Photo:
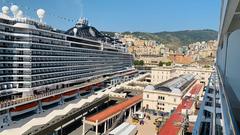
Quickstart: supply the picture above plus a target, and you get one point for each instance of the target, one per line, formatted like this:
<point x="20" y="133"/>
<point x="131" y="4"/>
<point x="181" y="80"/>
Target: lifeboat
<point x="85" y="89"/>
<point x="70" y="94"/>
<point x="51" y="100"/>
<point x="98" y="85"/>
<point x="24" y="108"/>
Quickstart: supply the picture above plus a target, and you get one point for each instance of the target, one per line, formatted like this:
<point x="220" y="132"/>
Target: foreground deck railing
<point x="228" y="124"/>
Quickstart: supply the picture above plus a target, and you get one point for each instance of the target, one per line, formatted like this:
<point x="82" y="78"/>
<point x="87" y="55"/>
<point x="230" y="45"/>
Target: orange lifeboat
<point x="70" y="94"/>
<point x="24" y="108"/>
<point x="51" y="100"/>
<point x="98" y="85"/>
<point x="85" y="89"/>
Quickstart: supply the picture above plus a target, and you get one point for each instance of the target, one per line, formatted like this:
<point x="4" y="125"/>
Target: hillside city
<point x="151" y="53"/>
<point x="86" y="81"/>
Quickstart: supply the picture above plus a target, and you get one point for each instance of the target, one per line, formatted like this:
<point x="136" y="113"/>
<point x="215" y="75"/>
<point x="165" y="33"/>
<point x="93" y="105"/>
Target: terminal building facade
<point x="166" y="96"/>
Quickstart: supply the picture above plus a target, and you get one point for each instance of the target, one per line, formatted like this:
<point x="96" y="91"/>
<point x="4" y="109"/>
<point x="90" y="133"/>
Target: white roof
<point x="119" y="129"/>
<point x="149" y="87"/>
<point x="24" y="25"/>
<point x="173" y="86"/>
<point x="129" y="130"/>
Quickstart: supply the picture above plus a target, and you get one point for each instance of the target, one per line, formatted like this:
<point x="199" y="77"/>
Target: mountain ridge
<point x="175" y="39"/>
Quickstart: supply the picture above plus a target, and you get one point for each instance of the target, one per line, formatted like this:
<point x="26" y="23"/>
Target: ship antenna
<point x="81" y="7"/>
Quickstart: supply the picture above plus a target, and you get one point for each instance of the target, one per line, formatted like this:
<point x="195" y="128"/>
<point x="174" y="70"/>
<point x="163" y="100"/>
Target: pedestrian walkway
<point x="148" y="128"/>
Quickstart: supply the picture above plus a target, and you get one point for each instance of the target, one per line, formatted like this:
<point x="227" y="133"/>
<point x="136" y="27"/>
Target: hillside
<point x="175" y="39"/>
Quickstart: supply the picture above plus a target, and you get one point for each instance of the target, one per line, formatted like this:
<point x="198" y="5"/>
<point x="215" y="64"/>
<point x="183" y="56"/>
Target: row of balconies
<point x="13" y="85"/>
<point x="15" y="78"/>
<point x="59" y="50"/>
<point x="13" y="58"/>
<point x="57" y="58"/>
<point x="60" y="58"/>
<point x="9" y="52"/>
<point x="15" y="65"/>
<point x="62" y="69"/>
<point x="14" y="52"/>
<point x="34" y="33"/>
<point x="36" y="66"/>
<point x="10" y="72"/>
<point x="46" y="70"/>
<point x="15" y="72"/>
<point x="67" y="73"/>
<point x="62" y="63"/>
<point x="13" y="46"/>
<point x="30" y="32"/>
<point x="68" y="53"/>
<point x="33" y="40"/>
<point x="66" y="78"/>
<point x="29" y="83"/>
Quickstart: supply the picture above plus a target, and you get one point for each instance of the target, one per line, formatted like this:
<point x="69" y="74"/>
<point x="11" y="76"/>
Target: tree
<point x="207" y="66"/>
<point x="141" y="62"/>
<point x="138" y="62"/>
<point x="161" y="63"/>
<point x="168" y="63"/>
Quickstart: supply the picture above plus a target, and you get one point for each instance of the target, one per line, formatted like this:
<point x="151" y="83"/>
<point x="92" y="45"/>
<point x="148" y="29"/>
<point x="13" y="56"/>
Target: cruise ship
<point x="36" y="57"/>
<point x="43" y="65"/>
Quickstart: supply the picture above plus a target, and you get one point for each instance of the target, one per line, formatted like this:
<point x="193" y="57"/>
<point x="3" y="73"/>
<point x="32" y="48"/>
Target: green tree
<point x="141" y="62"/>
<point x="168" y="63"/>
<point x="207" y="66"/>
<point x="161" y="63"/>
<point x="138" y="62"/>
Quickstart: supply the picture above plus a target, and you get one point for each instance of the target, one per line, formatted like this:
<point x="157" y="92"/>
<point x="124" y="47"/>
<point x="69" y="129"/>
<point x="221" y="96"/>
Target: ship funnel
<point x="14" y="9"/>
<point x="75" y="31"/>
<point x="5" y="10"/>
<point x="41" y="14"/>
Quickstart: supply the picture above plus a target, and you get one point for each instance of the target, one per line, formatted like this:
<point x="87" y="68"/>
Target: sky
<point x="127" y="15"/>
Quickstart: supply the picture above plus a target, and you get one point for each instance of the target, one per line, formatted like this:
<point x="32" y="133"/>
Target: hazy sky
<point x="127" y="15"/>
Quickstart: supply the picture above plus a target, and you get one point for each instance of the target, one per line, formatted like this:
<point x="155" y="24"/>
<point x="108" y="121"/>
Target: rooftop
<point x="174" y="123"/>
<point x="174" y="85"/>
<point x="114" y="109"/>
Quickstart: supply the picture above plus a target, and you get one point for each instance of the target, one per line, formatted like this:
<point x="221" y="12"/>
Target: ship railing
<point x="230" y="125"/>
<point x="8" y="103"/>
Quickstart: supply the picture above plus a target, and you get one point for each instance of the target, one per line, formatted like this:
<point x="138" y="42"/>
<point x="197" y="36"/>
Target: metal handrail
<point x="229" y="113"/>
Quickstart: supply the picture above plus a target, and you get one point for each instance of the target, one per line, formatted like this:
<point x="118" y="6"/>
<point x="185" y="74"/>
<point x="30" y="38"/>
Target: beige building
<point x="162" y="74"/>
<point x="203" y="49"/>
<point x="150" y="60"/>
<point x="145" y="50"/>
<point x="202" y="74"/>
<point x="159" y="75"/>
<point x="165" y="97"/>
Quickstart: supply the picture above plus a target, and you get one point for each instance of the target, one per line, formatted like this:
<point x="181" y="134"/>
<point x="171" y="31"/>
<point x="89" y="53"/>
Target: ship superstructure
<point x="35" y="58"/>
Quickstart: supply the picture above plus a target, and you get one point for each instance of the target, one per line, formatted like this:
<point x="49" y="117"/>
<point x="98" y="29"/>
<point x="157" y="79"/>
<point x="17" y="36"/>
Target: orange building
<point x="180" y="59"/>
